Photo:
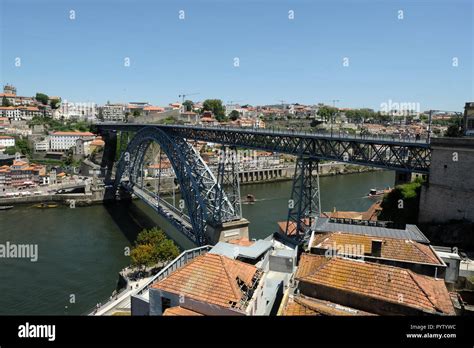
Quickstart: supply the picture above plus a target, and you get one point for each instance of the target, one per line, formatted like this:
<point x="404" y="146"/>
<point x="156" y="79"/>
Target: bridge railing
<point x="327" y="134"/>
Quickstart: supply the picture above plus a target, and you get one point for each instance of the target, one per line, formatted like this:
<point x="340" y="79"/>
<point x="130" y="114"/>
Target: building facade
<point x="113" y="112"/>
<point x="62" y="141"/>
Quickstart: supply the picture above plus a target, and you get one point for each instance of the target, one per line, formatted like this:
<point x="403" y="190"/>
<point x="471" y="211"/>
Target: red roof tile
<point x="210" y="278"/>
<point x="387" y="283"/>
<point x="180" y="311"/>
<point x="392" y="248"/>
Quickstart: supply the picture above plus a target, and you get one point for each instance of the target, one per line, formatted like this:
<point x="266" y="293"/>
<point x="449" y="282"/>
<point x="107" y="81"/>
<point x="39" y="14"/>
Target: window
<point x="165" y="304"/>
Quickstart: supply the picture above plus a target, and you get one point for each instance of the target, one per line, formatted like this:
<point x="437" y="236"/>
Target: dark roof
<point x="410" y="232"/>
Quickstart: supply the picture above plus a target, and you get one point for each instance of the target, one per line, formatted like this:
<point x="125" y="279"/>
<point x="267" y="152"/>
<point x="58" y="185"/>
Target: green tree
<point x="42" y="98"/>
<point x="55" y="103"/>
<point x="5" y="101"/>
<point x="188" y="105"/>
<point x="454" y="129"/>
<point x="327" y="113"/>
<point x="152" y="236"/>
<point x="166" y="251"/>
<point x="136" y="113"/>
<point x="11" y="150"/>
<point x="407" y="196"/>
<point x="216" y="107"/>
<point x="234" y="115"/>
<point x="158" y="248"/>
<point x="143" y="255"/>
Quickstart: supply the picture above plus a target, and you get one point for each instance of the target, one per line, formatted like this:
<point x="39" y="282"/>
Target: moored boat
<point x="6" y="207"/>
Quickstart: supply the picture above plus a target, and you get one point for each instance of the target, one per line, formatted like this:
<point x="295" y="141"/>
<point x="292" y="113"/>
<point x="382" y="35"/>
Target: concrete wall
<point x="139" y="306"/>
<point x="350" y="299"/>
<point x="449" y="194"/>
<point x="186" y="302"/>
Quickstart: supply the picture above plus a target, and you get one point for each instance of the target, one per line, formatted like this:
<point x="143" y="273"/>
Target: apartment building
<point x="113" y="112"/>
<point x="63" y="141"/>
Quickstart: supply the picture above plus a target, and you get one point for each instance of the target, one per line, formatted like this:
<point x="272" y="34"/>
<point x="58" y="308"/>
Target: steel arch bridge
<point x="205" y="199"/>
<point x="383" y="152"/>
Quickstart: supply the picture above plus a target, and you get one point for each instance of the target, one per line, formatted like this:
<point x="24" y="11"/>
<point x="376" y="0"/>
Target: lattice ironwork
<point x="305" y="203"/>
<point x="389" y="154"/>
<point x="198" y="184"/>
<point x="228" y="180"/>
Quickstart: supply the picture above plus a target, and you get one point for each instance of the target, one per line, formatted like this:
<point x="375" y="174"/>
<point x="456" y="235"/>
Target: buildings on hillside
<point x="21" y="173"/>
<point x="63" y="141"/>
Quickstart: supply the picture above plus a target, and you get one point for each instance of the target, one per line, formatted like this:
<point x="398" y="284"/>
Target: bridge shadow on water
<point x="131" y="217"/>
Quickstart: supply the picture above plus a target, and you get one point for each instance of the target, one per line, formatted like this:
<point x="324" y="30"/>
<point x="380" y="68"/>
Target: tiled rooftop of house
<point x="302" y="305"/>
<point x="212" y="278"/>
<point x="386" y="283"/>
<point x="392" y="248"/>
<point x="180" y="311"/>
<point x="241" y="241"/>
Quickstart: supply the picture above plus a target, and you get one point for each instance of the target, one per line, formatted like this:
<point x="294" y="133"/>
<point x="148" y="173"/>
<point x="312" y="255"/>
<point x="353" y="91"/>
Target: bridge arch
<point x="200" y="190"/>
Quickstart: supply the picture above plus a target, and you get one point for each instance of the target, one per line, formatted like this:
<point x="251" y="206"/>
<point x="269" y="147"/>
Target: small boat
<point x="45" y="205"/>
<point x="250" y="199"/>
<point x="374" y="193"/>
<point x="6" y="207"/>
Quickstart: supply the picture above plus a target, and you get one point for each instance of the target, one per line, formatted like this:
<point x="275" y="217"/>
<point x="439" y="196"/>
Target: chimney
<point x="376" y="248"/>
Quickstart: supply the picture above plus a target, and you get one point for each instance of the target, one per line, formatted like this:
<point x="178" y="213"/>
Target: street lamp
<point x="334" y="101"/>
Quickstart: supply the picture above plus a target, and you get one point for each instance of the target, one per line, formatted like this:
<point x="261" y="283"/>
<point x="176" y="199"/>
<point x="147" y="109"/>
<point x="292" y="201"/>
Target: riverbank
<point x="71" y="199"/>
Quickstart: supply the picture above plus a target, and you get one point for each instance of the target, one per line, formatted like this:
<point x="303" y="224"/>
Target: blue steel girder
<point x="395" y="155"/>
<point x="198" y="185"/>
<point x="388" y="154"/>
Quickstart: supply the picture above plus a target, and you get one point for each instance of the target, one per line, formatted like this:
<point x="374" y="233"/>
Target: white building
<point x="80" y="111"/>
<point x="62" y="141"/>
<point x="113" y="112"/>
<point x="6" y="141"/>
<point x="10" y="112"/>
<point x="42" y="145"/>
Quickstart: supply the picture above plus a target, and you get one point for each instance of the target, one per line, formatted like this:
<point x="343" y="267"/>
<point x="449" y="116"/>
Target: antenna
<point x="184" y="95"/>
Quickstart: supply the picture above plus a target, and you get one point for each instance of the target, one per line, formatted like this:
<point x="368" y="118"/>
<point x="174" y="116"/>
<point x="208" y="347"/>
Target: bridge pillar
<point x="402" y="178"/>
<point x="304" y="205"/>
<point x="228" y="231"/>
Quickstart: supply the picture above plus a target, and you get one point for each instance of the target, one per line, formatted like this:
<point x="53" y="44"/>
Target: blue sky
<point x="299" y="60"/>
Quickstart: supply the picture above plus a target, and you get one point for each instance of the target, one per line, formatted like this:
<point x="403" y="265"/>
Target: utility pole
<point x="334" y="101"/>
<point x="184" y="95"/>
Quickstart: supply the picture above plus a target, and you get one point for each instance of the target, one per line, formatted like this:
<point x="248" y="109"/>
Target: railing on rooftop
<point x="177" y="263"/>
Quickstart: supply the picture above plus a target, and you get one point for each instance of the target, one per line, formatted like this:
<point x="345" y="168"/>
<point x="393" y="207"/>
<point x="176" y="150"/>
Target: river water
<point x="81" y="250"/>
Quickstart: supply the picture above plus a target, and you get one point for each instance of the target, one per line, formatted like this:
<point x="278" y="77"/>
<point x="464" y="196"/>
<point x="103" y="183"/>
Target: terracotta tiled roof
<point x="344" y="215"/>
<point x="180" y="311"/>
<point x="210" y="278"/>
<point x="98" y="142"/>
<point x="19" y="163"/>
<point x="291" y="228"/>
<point x="82" y="134"/>
<point x="241" y="241"/>
<point x="392" y="248"/>
<point x="386" y="283"/>
<point x="302" y="305"/>
<point x="153" y="108"/>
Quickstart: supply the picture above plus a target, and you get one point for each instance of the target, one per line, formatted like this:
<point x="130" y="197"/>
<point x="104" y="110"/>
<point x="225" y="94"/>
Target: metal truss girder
<point x="198" y="184"/>
<point x="228" y="180"/>
<point x="305" y="204"/>
<point x="405" y="156"/>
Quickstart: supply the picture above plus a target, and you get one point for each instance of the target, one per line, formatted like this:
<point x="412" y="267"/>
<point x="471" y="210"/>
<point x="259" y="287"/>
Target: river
<point x="81" y="250"/>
